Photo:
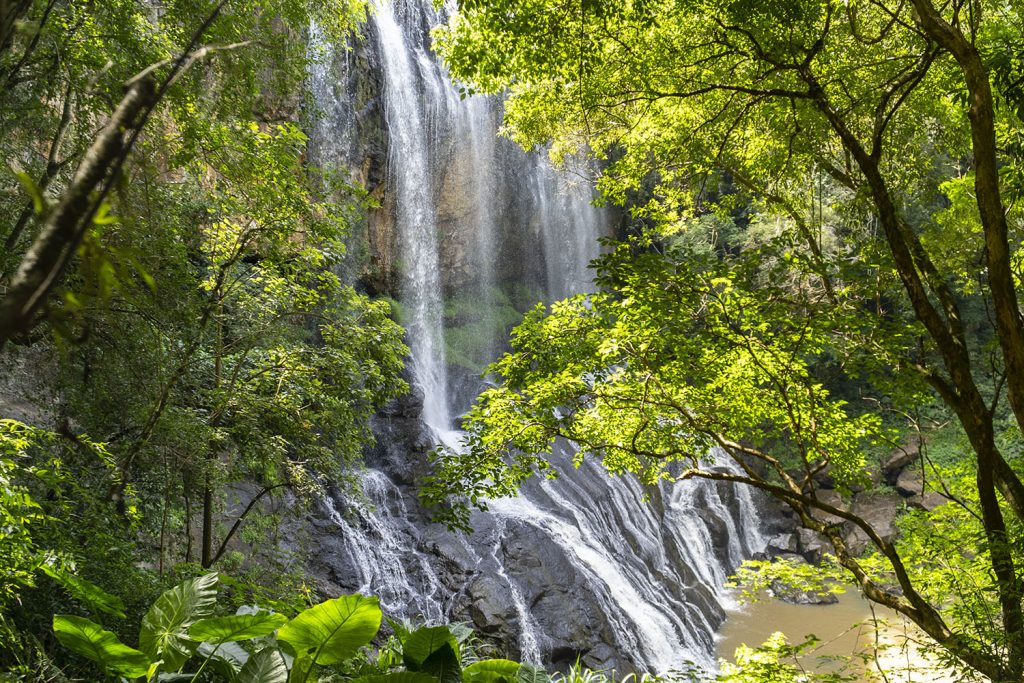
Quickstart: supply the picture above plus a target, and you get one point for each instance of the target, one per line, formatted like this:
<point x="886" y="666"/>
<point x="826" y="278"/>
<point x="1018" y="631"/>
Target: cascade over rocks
<point x="469" y="232"/>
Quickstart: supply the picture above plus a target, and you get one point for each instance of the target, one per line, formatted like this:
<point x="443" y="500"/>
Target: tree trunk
<point x="207" y="545"/>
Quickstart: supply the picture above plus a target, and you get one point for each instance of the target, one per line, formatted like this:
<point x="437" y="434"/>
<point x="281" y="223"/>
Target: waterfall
<point x="385" y="564"/>
<point x="584" y="567"/>
<point x="410" y="170"/>
<point x="570" y="225"/>
<point x="479" y="131"/>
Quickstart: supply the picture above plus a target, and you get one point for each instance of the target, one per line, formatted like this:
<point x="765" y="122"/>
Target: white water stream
<point x="646" y="578"/>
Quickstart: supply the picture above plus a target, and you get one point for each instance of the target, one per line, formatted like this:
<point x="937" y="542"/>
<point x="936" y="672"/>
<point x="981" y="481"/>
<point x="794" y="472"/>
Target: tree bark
<point x="206" y="558"/>
<point x="981" y="113"/>
<point x="47" y="258"/>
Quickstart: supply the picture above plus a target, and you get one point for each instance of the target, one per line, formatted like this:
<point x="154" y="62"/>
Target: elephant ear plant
<point x="180" y="628"/>
<point x="181" y="639"/>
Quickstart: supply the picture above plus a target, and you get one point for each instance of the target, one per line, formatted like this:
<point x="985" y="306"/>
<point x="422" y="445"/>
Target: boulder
<point x="878" y="510"/>
<point x="802" y="597"/>
<point x="910" y="483"/>
<point x="491" y="607"/>
<point x="927" y="501"/>
<point x="783" y="543"/>
<point x="899" y="459"/>
<point x="812" y="545"/>
<point x="824" y="479"/>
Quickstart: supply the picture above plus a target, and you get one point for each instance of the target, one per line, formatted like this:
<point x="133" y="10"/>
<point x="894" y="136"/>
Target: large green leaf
<point x="422" y="643"/>
<point x="433" y="650"/>
<point x="164" y="633"/>
<point x="88" y="638"/>
<point x="333" y="630"/>
<point x="491" y="671"/>
<point x="266" y="666"/>
<point x="224" y="658"/>
<point x="300" y="670"/>
<point x="396" y="677"/>
<point x="444" y="664"/>
<point x="532" y="674"/>
<point x="236" y="627"/>
<point x="89" y="594"/>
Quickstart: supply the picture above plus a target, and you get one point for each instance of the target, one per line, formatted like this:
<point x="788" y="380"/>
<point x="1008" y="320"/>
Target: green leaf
<point x="422" y="643"/>
<point x="433" y="650"/>
<point x="266" y="666"/>
<point x="236" y="627"/>
<point x="103" y="215"/>
<point x="444" y="664"/>
<point x="532" y="674"/>
<point x="164" y="633"/>
<point x="226" y="658"/>
<point x="333" y="630"/>
<point x="89" y="639"/>
<point x="396" y="677"/>
<point x="299" y="672"/>
<point x="492" y="671"/>
<point x="86" y="592"/>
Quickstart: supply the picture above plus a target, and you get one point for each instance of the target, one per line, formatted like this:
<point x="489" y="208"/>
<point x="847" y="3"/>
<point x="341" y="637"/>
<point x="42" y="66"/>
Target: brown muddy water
<point x="845" y="630"/>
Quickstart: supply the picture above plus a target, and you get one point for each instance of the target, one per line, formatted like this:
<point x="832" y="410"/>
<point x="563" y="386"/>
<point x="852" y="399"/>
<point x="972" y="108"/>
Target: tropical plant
<point x="180" y="627"/>
<point x="865" y="160"/>
<point x="181" y="631"/>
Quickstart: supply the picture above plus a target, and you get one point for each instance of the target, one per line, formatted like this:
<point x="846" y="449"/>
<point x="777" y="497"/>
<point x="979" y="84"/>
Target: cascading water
<point x="582" y="567"/>
<point x="410" y="172"/>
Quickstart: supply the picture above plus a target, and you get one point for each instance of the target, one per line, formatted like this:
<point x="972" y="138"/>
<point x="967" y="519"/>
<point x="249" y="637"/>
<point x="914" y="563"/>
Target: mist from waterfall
<point x="653" y="572"/>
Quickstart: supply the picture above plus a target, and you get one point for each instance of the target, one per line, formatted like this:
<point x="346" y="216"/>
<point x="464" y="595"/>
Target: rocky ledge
<point x="897" y="485"/>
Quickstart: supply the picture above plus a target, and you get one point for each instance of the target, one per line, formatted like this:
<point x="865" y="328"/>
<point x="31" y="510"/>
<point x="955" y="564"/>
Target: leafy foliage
<point x="87" y="638"/>
<point x="334" y="630"/>
<point x="266" y="666"/>
<point x="89" y="594"/>
<point x="236" y="627"/>
<point x="164" y="633"/>
<point x="825" y="234"/>
<point x="259" y="646"/>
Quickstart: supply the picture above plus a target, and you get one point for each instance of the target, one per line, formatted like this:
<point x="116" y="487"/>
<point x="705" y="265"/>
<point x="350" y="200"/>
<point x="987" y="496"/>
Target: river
<point x="847" y="631"/>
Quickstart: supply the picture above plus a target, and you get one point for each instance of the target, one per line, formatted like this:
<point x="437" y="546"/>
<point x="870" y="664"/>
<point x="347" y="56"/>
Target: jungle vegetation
<point x="823" y="261"/>
<point x="825" y="246"/>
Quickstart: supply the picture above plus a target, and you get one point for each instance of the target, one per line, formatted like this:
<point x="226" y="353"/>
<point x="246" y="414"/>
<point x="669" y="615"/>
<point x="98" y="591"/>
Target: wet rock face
<point x="402" y="440"/>
<point x="491" y="608"/>
<point x="524" y="579"/>
<point x="557" y="595"/>
<point x="351" y="135"/>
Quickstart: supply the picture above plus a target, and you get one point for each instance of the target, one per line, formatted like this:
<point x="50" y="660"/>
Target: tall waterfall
<point x="583" y="567"/>
<point x="407" y="74"/>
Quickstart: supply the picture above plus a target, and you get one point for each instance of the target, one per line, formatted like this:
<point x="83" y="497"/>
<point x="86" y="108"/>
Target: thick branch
<point x="241" y="518"/>
<point x="989" y="199"/>
<point x="65" y="226"/>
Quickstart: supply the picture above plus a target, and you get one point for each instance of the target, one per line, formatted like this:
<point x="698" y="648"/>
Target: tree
<point x="822" y="192"/>
<point x="188" y="302"/>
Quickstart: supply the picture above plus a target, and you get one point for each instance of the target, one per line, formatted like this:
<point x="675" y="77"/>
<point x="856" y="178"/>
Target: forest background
<point x="823" y="258"/>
